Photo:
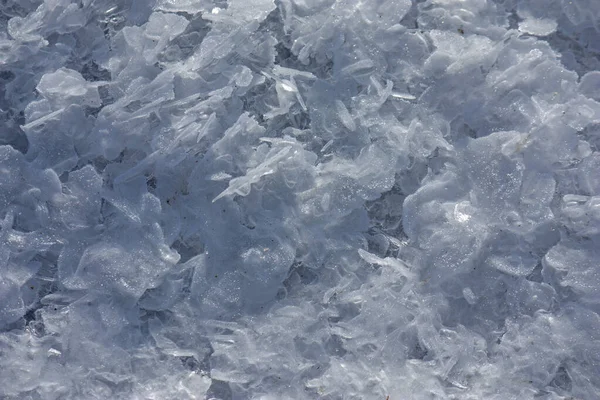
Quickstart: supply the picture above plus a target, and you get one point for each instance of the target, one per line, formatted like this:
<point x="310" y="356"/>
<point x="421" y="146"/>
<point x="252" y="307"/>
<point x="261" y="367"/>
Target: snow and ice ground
<point x="300" y="199"/>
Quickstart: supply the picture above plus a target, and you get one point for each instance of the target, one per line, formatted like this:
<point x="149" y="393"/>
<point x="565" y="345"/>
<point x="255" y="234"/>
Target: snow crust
<point x="300" y="199"/>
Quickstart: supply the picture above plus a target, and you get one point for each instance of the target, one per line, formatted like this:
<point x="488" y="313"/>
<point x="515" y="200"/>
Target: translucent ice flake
<point x="344" y="115"/>
<point x="255" y="10"/>
<point x="162" y="25"/>
<point x="82" y="200"/>
<point x="386" y="262"/>
<point x="108" y="267"/>
<point x="574" y="266"/>
<point x="537" y="26"/>
<point x="65" y="86"/>
<point x="188" y="6"/>
<point x="13" y="306"/>
<point x="590" y="83"/>
<point x="241" y="185"/>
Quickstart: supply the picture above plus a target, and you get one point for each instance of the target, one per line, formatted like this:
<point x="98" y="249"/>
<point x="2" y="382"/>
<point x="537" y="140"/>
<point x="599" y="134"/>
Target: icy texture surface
<point x="300" y="199"/>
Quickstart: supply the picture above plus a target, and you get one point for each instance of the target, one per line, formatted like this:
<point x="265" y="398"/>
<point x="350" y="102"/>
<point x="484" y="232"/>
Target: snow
<point x="300" y="199"/>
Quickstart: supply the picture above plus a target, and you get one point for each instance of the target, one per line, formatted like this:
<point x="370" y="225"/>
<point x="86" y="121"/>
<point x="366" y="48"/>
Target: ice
<point x="537" y="26"/>
<point x="345" y="116"/>
<point x="574" y="268"/>
<point x="299" y="199"/>
<point x="66" y="86"/>
<point x="110" y="267"/>
<point x="189" y="6"/>
<point x="160" y="23"/>
<point x="589" y="84"/>
<point x="13" y="307"/>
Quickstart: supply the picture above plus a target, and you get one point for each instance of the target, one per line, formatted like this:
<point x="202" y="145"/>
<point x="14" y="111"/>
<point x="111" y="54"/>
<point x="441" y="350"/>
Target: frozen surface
<point x="300" y="199"/>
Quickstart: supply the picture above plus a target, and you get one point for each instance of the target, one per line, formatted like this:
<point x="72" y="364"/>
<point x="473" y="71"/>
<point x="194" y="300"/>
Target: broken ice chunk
<point x="537" y="26"/>
<point x="160" y="25"/>
<point x="66" y="86"/>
